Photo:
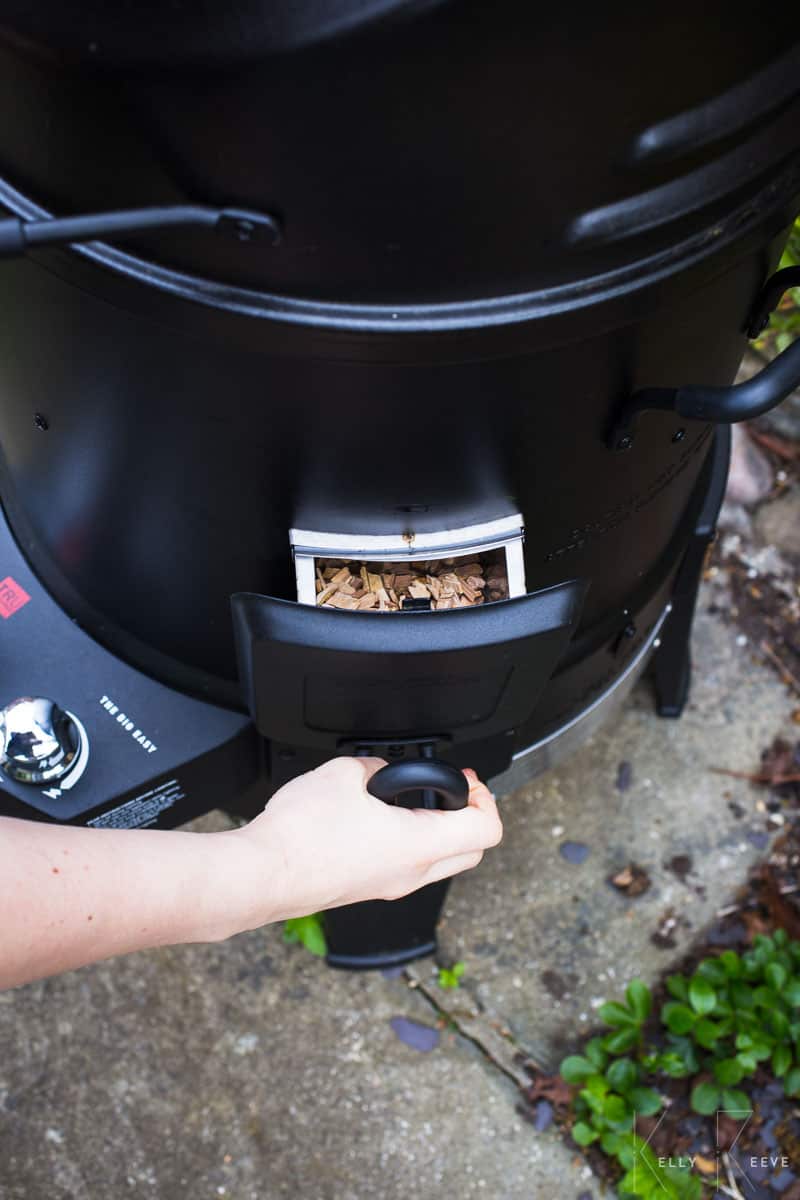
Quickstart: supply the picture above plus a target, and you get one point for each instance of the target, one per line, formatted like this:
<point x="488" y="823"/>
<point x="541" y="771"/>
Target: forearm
<point x="71" y="896"/>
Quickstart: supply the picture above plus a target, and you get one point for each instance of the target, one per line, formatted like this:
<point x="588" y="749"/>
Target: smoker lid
<point x="187" y="31"/>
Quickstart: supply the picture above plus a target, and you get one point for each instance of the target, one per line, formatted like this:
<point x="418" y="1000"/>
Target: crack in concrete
<point x="498" y="1048"/>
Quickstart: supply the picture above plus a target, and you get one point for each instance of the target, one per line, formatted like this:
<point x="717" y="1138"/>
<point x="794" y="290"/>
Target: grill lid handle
<point x="420" y="774"/>
<point x="17" y="236"/>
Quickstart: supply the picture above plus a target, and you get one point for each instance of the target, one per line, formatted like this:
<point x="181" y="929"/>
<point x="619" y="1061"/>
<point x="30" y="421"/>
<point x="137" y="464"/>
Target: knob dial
<point x="39" y="742"/>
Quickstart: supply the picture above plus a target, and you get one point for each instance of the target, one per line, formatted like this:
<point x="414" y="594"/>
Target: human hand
<point x="323" y="841"/>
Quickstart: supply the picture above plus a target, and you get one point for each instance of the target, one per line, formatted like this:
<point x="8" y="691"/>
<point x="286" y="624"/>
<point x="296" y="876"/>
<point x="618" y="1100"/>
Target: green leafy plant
<point x="740" y="1011"/>
<point x="733" y="1014"/>
<point x="450" y="977"/>
<point x="612" y="1092"/>
<point x="308" y="931"/>
<point x="784" y="323"/>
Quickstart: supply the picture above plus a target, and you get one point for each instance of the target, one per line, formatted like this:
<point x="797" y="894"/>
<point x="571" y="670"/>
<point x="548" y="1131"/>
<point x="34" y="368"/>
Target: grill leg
<point x="672" y="665"/>
<point x="385" y="933"/>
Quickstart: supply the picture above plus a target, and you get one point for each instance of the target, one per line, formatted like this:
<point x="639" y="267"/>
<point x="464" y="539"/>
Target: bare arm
<point x="71" y="896"/>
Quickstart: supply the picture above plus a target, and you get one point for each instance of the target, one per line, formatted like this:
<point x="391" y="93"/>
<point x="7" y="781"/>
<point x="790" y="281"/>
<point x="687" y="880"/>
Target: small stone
<point x="633" y="880"/>
<point x="758" y="839"/>
<point x="415" y="1034"/>
<point x="624" y="776"/>
<point x="544" y="1116"/>
<point x="750" y="476"/>
<point x="392" y="972"/>
<point x="574" y="852"/>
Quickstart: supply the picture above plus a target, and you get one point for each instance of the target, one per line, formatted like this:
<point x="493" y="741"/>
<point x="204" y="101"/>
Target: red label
<point x="12" y="597"/>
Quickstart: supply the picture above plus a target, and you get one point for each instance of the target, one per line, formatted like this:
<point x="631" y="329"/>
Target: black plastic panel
<point x="312" y="677"/>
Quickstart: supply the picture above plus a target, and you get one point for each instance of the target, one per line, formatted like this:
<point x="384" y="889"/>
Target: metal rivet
<point x="40" y="421"/>
<point x="625" y="442"/>
<point x="679" y="435"/>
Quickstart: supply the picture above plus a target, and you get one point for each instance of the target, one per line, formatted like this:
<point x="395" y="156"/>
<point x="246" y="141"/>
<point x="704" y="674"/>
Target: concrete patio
<point x="250" y="1070"/>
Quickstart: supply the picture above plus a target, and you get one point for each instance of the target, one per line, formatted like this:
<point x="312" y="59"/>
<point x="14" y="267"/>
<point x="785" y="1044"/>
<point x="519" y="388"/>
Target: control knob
<point x="39" y="742"/>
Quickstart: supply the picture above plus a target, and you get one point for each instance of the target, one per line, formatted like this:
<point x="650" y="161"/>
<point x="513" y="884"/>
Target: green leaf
<point x="778" y="1023"/>
<point x="622" y="1074"/>
<point x="780" y="937"/>
<point x="728" y="1071"/>
<point x="595" y="1053"/>
<point x="702" y="996"/>
<point x="791" y="1082"/>
<point x="713" y="970"/>
<point x="616" y="1015"/>
<point x="595" y="1103"/>
<point x="575" y="1068"/>
<point x="596" y="1085"/>
<point x="731" y="963"/>
<point x="615" y="1110"/>
<point x="776" y="976"/>
<point x="646" y="1101"/>
<point x="705" y="1098"/>
<point x="678" y="987"/>
<point x="706" y="1033"/>
<point x="621" y="1040"/>
<point x="677" y="1017"/>
<point x="610" y="1142"/>
<point x="685" y="1047"/>
<point x="308" y="931"/>
<point x="791" y="993"/>
<point x="742" y="995"/>
<point x="748" y="1060"/>
<point x="450" y="977"/>
<point x="583" y="1134"/>
<point x="738" y="1102"/>
<point x="781" y="1060"/>
<point x="639" y="1000"/>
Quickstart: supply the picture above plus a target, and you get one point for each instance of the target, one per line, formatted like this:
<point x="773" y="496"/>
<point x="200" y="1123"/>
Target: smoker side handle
<point x="723" y="405"/>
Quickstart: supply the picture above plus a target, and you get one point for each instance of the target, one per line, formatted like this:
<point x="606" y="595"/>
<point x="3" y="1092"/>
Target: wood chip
<point x="448" y="583"/>
<point x="326" y="593"/>
<point x="342" y="601"/>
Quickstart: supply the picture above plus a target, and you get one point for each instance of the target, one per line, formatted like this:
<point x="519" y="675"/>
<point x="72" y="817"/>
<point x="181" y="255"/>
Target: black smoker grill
<point x="365" y="281"/>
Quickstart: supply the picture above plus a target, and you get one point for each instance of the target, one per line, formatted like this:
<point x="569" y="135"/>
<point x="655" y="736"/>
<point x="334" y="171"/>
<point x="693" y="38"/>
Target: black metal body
<point x="503" y="236"/>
